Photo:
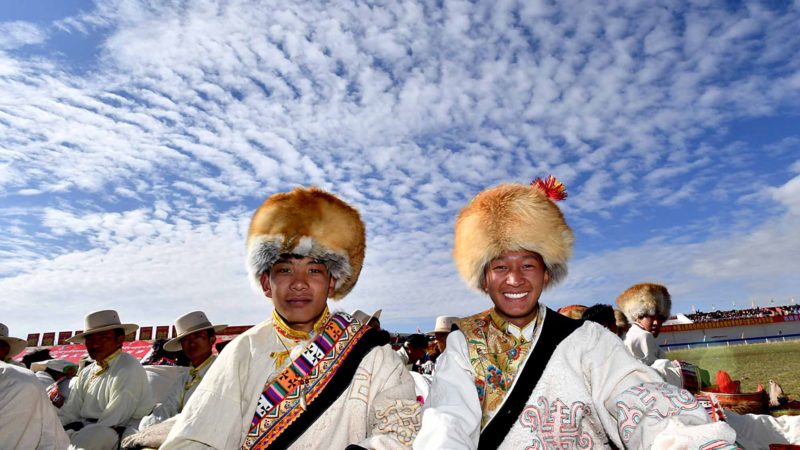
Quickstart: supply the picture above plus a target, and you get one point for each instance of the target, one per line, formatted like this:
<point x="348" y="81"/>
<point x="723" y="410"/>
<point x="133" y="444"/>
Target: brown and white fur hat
<point x="511" y="217"/>
<point x="308" y="222"/>
<point x="645" y="299"/>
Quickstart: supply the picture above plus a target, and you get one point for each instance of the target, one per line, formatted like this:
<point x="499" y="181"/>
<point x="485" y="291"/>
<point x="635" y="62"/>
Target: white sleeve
<point x="645" y="411"/>
<point x="451" y="417"/>
<point x="642" y="345"/>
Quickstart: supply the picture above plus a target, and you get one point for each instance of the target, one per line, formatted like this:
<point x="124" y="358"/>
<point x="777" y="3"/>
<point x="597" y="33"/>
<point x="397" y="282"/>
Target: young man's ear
<point x="265" y="286"/>
<point x="546" y="278"/>
<point x="331" y="287"/>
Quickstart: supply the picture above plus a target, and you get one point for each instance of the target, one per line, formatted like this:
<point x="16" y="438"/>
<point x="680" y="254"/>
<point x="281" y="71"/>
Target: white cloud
<point x="193" y="115"/>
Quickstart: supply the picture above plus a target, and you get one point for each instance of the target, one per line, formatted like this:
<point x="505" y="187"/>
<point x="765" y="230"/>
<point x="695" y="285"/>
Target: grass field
<point x="751" y="364"/>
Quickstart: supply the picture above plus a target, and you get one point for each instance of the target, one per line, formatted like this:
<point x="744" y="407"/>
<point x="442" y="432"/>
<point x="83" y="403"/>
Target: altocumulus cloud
<point x="129" y="184"/>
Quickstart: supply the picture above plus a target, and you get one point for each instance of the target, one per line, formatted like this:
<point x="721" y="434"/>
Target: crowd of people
<point x="515" y="375"/>
<point x="713" y="316"/>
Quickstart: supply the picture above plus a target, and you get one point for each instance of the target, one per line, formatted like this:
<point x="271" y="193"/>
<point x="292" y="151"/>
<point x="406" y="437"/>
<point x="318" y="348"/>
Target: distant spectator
<point x="602" y="314"/>
<point x="622" y="323"/>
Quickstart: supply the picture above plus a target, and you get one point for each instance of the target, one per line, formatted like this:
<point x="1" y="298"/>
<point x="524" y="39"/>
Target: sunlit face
<point x="102" y="344"/>
<point x="514" y="281"/>
<point x="299" y="289"/>
<point x="441" y="340"/>
<point x="198" y="346"/>
<point x="651" y="324"/>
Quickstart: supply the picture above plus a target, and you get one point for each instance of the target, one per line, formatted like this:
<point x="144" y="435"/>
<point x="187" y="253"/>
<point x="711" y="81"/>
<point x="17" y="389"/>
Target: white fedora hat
<point x="16" y="345"/>
<point x="59" y="365"/>
<point x="188" y="324"/>
<point x="98" y="321"/>
<point x="444" y="324"/>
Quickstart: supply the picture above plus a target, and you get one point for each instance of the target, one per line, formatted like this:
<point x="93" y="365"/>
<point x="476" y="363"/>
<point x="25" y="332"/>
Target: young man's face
<point x="514" y="281"/>
<point x="198" y="346"/>
<point x="299" y="289"/>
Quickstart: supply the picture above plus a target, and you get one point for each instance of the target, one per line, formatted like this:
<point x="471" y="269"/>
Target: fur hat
<point x="573" y="311"/>
<point x="511" y="217"/>
<point x="98" y="321"/>
<point x="16" y="345"/>
<point x="645" y="299"/>
<point x="308" y="222"/>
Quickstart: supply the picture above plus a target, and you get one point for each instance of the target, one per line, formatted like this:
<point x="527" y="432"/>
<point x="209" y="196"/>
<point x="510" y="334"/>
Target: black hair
<point x="416" y="341"/>
<point x="600" y="313"/>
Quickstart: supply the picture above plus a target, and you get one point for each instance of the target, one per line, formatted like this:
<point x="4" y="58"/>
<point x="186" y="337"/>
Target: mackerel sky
<point x="137" y="138"/>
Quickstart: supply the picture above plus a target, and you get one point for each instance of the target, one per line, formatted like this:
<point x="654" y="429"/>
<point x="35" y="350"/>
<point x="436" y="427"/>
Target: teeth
<point x="519" y="295"/>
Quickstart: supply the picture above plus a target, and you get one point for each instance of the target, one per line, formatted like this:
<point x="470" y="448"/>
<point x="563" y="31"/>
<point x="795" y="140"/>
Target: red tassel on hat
<point x="551" y="187"/>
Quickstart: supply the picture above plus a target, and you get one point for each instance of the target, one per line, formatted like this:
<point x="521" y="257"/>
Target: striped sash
<point x="285" y="397"/>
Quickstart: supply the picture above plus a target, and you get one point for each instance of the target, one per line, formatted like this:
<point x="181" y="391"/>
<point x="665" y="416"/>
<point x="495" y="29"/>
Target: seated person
<point x="306" y="377"/>
<point x="111" y="395"/>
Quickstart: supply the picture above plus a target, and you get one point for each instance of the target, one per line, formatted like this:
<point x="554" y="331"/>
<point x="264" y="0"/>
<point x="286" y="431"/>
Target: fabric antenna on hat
<point x="645" y="299"/>
<point x="308" y="222"/>
<point x="513" y="217"/>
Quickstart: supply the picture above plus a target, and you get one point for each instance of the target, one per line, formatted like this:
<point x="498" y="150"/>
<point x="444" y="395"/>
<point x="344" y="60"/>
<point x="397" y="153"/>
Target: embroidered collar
<point x="524" y="334"/>
<point x="194" y="373"/>
<point x="286" y="331"/>
<point x="101" y="366"/>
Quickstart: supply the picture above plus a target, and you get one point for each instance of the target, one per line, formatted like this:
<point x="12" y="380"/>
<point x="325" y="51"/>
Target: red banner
<point x="145" y="333"/>
<point x="162" y="332"/>
<point x="33" y="339"/>
<point x="63" y="336"/>
<point x="48" y="339"/>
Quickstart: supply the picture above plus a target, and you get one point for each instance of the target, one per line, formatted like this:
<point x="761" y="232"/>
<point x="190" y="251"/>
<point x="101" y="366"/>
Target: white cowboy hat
<point x="59" y="365"/>
<point x="98" y="321"/>
<point x="188" y="324"/>
<point x="444" y="324"/>
<point x="16" y="345"/>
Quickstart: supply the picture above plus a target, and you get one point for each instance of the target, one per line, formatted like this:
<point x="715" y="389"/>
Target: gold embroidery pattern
<point x="402" y="419"/>
<point x="496" y="356"/>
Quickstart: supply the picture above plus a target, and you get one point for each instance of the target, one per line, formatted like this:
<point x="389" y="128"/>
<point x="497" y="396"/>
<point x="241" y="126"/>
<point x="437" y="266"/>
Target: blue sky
<point x="136" y="139"/>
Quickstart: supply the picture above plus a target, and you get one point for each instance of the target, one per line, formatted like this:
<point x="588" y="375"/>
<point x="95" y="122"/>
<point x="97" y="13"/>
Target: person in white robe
<point x="27" y="419"/>
<point x="511" y="242"/>
<point x="267" y="389"/>
<point x="195" y="335"/>
<point x="111" y="395"/>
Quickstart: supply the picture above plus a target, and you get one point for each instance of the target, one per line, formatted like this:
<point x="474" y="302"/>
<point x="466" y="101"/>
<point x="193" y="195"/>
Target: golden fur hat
<point x="645" y="299"/>
<point x="511" y="217"/>
<point x="308" y="222"/>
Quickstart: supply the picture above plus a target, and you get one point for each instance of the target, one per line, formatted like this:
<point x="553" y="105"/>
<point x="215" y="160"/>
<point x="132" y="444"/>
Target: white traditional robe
<point x="642" y="345"/>
<point x="27" y="418"/>
<point x="377" y="411"/>
<point x="120" y="396"/>
<point x="591" y="390"/>
<point x="177" y="397"/>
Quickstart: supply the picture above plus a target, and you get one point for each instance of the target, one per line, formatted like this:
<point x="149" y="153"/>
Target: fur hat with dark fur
<point x="308" y="222"/>
<point x="511" y="217"/>
<point x="645" y="299"/>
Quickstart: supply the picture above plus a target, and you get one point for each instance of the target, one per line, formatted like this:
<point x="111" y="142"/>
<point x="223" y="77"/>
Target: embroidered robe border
<point x="324" y="366"/>
<point x="555" y="329"/>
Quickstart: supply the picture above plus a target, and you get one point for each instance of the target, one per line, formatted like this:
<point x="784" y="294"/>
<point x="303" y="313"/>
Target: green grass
<point x="751" y="364"/>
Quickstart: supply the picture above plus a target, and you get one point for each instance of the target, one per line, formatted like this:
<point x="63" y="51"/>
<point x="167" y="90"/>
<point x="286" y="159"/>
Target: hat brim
<point x="174" y="344"/>
<point x="16" y="345"/>
<point x="80" y="338"/>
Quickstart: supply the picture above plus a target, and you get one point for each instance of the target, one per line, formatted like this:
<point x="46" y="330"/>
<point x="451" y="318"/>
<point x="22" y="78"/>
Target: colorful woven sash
<point x="285" y="397"/>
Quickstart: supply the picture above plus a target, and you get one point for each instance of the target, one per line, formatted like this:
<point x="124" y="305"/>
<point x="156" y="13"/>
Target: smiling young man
<point x="307" y="377"/>
<point x="520" y="375"/>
